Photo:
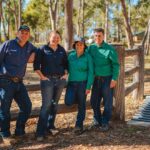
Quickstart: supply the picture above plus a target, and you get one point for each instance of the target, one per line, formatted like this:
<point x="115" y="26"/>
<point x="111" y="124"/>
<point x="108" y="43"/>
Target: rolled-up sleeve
<point x="3" y="49"/>
<point x="90" y="72"/>
<point x="37" y="61"/>
<point x="115" y="63"/>
<point x="65" y="61"/>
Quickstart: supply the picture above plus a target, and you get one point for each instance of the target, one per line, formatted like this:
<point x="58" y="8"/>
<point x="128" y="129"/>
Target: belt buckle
<point x="15" y="79"/>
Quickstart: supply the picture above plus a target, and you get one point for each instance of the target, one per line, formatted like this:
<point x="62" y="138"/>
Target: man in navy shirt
<point x="14" y="56"/>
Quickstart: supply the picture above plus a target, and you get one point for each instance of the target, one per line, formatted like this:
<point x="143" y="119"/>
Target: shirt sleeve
<point x="65" y="61"/>
<point x="37" y="60"/>
<point x="34" y="49"/>
<point x="3" y="49"/>
<point x="115" y="63"/>
<point x="90" y="72"/>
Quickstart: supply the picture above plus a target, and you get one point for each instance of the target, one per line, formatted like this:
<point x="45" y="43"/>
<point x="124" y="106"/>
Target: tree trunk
<point x="106" y="19"/>
<point x="83" y="17"/>
<point x="127" y="25"/>
<point x="0" y="20"/>
<point x="79" y="19"/>
<point x="19" y="12"/>
<point x="53" y="13"/>
<point x="68" y="24"/>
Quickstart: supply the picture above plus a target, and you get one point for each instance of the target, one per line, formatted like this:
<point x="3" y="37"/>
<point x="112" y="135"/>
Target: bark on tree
<point x="127" y="25"/>
<point x="68" y="24"/>
<point x="106" y="19"/>
<point x="53" y="5"/>
<point x="19" y="12"/>
<point x="0" y="20"/>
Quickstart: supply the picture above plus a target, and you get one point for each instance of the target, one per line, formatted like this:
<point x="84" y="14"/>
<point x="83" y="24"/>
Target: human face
<point x="54" y="39"/>
<point x="23" y="36"/>
<point x="98" y="37"/>
<point x="79" y="46"/>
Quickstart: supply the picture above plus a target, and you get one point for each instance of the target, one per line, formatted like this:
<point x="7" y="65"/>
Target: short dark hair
<point x="99" y="30"/>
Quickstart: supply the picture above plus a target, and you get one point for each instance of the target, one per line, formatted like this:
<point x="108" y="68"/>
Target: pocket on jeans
<point x="69" y="96"/>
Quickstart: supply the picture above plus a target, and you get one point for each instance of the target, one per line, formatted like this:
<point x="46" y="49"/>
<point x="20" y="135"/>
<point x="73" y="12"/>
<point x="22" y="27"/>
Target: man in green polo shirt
<point x="106" y="70"/>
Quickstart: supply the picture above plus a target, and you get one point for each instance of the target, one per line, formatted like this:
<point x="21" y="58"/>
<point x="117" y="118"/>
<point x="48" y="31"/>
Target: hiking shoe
<point x="94" y="125"/>
<point x="104" y="128"/>
<point x="78" y="130"/>
<point x="40" y="138"/>
<point x="53" y="131"/>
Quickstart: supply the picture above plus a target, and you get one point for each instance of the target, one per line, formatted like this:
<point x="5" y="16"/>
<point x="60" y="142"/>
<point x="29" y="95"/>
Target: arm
<point x="3" y="49"/>
<point x="65" y="63"/>
<point x="42" y="77"/>
<point x="31" y="58"/>
<point x="90" y="74"/>
<point x="115" y="67"/>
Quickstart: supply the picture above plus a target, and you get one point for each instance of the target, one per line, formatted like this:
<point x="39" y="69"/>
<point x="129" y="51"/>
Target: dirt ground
<point x="119" y="137"/>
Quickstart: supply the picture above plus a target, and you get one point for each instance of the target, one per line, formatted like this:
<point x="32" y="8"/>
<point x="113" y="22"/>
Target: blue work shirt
<point x="51" y="62"/>
<point x="14" y="58"/>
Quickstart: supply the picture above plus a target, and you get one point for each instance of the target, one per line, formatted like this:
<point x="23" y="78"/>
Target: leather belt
<point x="14" y="79"/>
<point x="54" y="76"/>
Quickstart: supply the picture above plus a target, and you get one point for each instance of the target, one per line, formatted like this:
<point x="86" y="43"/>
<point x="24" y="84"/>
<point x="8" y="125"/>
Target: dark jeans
<point x="75" y="93"/>
<point x="10" y="90"/>
<point x="101" y="89"/>
<point x="51" y="91"/>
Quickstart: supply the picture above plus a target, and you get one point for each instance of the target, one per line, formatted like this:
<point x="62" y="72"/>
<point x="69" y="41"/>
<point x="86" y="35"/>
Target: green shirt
<point x="105" y="60"/>
<point x="80" y="68"/>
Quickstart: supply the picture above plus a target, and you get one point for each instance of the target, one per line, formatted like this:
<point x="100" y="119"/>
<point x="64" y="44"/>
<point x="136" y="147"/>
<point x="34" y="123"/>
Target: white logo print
<point x="2" y="93"/>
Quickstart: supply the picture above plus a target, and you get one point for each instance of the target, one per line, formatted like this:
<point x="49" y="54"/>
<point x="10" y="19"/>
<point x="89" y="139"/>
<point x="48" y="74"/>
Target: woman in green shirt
<point x="80" y="79"/>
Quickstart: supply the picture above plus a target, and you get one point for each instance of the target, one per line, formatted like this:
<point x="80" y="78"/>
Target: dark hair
<point x="56" y="32"/>
<point x="74" y="45"/>
<point x="99" y="30"/>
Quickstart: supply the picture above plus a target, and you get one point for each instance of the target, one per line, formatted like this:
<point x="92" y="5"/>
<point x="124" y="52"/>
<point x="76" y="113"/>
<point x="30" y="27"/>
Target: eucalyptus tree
<point x="53" y="6"/>
<point x="68" y="24"/>
<point x="0" y="20"/>
<point x="127" y="25"/>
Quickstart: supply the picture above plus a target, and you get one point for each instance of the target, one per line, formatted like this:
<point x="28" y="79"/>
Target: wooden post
<point x="119" y="94"/>
<point x="141" y="74"/>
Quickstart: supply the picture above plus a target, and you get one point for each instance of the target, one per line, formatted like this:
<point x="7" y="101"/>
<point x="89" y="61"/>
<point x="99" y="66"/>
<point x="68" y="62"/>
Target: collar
<point x="102" y="45"/>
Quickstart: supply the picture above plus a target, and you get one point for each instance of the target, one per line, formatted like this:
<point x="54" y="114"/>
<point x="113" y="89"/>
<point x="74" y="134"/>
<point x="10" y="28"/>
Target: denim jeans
<point x="75" y="93"/>
<point x="10" y="90"/>
<point x="51" y="91"/>
<point x="101" y="89"/>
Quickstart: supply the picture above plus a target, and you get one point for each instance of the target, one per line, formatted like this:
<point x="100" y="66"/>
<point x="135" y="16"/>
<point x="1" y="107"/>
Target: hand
<point x="87" y="92"/>
<point x="44" y="78"/>
<point x="65" y="76"/>
<point x="113" y="83"/>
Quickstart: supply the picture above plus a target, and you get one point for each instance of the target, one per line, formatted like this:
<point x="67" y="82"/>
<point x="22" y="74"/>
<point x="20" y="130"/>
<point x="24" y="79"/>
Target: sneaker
<point x="104" y="127"/>
<point x="78" y="130"/>
<point x="94" y="125"/>
<point x="53" y="131"/>
<point x="40" y="138"/>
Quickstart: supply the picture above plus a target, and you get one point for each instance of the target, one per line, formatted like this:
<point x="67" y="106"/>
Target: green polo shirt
<point x="105" y="60"/>
<point x="80" y="68"/>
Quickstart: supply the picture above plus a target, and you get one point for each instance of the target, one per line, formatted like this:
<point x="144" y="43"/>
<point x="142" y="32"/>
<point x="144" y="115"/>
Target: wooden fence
<point x="120" y="91"/>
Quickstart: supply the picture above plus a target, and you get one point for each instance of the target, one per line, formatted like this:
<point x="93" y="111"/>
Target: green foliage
<point x="36" y="15"/>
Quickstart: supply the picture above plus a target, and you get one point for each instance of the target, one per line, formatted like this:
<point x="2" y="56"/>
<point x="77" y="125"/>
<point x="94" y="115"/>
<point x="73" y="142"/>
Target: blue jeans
<point x="75" y="93"/>
<point x="101" y="89"/>
<point x="51" y="91"/>
<point x="10" y="90"/>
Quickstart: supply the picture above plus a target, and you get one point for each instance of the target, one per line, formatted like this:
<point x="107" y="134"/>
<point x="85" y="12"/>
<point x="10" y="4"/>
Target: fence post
<point x="119" y="94"/>
<point x="141" y="73"/>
